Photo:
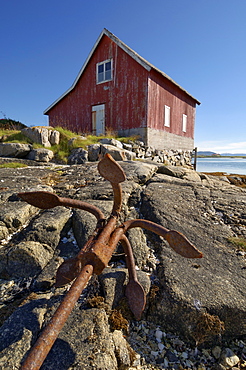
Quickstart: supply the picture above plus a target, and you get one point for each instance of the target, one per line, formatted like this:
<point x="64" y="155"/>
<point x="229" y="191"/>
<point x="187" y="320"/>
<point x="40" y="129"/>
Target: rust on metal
<point x="134" y="291"/>
<point x="110" y="170"/>
<point x="96" y="254"/>
<point x="47" y="338"/>
<point x="47" y="200"/>
<point x="176" y="240"/>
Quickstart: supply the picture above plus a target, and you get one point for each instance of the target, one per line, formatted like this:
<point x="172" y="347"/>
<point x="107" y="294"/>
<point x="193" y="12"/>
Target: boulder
<point x="180" y="172"/>
<point x="28" y="259"/>
<point x="196" y="299"/>
<point x="93" y="152"/>
<point x="96" y="150"/>
<point x="117" y="153"/>
<point x="45" y="136"/>
<point x="3" y="231"/>
<point x="41" y="155"/>
<point x="54" y="137"/>
<point x="112" y="141"/>
<point x="114" y="282"/>
<point x="78" y="156"/>
<point x="18" y="331"/>
<point x="138" y="171"/>
<point x="74" y="139"/>
<point x="206" y="215"/>
<point x="14" y="215"/>
<point x="47" y="227"/>
<point x="14" y="150"/>
<point x="86" y="340"/>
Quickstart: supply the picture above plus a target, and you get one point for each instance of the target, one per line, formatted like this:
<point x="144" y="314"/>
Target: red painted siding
<point x="125" y="97"/>
<point x="163" y="92"/>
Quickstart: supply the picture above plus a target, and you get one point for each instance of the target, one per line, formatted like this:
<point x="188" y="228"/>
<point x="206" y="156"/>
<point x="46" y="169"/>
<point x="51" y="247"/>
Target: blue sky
<point x="201" y="44"/>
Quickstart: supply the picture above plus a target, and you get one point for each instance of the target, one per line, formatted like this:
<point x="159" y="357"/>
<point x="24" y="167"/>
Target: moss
<point x="12" y="165"/>
<point x="97" y="302"/>
<point x="117" y="321"/>
<point x="239" y="243"/>
<point x="206" y="327"/>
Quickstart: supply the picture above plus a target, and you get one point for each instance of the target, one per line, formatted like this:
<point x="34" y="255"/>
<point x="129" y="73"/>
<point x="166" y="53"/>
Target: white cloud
<point x="221" y="146"/>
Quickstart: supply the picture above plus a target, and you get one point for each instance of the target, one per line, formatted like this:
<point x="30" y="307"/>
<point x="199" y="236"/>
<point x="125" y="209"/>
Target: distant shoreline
<point x="221" y="156"/>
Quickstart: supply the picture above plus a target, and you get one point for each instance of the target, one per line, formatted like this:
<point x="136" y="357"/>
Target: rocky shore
<point x="195" y="316"/>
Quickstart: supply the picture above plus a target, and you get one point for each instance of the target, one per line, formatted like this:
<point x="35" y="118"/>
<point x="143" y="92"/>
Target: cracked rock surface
<point x="201" y="300"/>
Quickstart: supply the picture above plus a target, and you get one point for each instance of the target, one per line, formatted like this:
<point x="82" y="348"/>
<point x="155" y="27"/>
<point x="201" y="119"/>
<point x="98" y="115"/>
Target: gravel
<point x="161" y="350"/>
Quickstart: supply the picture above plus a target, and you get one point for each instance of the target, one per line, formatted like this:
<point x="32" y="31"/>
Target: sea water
<point x="217" y="164"/>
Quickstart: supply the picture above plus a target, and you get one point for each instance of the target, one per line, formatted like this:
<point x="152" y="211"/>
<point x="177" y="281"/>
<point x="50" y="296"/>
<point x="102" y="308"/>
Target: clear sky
<point x="201" y="44"/>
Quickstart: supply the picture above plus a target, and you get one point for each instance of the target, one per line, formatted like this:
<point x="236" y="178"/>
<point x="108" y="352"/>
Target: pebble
<point x="216" y="352"/>
<point x="161" y="346"/>
<point x="159" y="349"/>
<point x="184" y="355"/>
<point x="228" y="358"/>
<point x="158" y="335"/>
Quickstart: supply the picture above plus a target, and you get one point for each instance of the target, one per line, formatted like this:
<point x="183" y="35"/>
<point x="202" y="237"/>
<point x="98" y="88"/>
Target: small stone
<point x="171" y="356"/>
<point x="188" y="363"/>
<point x="165" y="363"/>
<point x="228" y="358"/>
<point x="218" y="367"/>
<point x="216" y="352"/>
<point x="201" y="367"/>
<point x="154" y="353"/>
<point x="161" y="346"/>
<point x="137" y="360"/>
<point x="184" y="355"/>
<point x="206" y="354"/>
<point x="158" y="335"/>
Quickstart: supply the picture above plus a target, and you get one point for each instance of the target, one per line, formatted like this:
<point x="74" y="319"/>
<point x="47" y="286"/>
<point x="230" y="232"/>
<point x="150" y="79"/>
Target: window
<point x="184" y="123"/>
<point x="104" y="71"/>
<point x="167" y="116"/>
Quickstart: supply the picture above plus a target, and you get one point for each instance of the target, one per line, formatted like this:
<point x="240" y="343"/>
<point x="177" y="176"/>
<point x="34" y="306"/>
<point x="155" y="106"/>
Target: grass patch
<point x="66" y="145"/>
<point x="18" y="138"/>
<point x="14" y="137"/>
<point x="239" y="243"/>
<point x="4" y="131"/>
<point x="12" y="165"/>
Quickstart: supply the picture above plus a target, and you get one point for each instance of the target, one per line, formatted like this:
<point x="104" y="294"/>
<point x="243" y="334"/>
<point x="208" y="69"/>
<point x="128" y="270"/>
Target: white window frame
<point x="184" y="123"/>
<point x="167" y="116"/>
<point x="103" y="73"/>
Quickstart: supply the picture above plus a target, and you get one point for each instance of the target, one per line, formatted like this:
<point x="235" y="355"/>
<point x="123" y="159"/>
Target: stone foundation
<point x="174" y="157"/>
<point x="160" y="146"/>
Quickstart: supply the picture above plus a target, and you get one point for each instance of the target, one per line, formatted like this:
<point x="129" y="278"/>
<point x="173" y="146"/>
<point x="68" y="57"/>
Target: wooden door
<point x="98" y="119"/>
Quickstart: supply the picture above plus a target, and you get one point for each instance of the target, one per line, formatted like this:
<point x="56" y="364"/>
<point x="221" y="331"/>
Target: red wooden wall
<point x="135" y="98"/>
<point x="163" y="92"/>
<point x="125" y="97"/>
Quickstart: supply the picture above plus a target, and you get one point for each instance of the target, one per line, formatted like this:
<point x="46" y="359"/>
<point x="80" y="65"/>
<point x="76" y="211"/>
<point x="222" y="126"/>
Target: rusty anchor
<point x="96" y="254"/>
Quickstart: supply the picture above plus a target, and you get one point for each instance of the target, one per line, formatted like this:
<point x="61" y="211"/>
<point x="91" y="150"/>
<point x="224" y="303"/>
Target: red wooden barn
<point x="118" y="90"/>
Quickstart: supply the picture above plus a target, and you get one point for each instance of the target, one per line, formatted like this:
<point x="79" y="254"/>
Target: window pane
<point x="100" y="77"/>
<point x="100" y="68"/>
<point x="108" y="66"/>
<point x="108" y="75"/>
<point x="104" y="71"/>
<point x="167" y="116"/>
<point x="184" y="122"/>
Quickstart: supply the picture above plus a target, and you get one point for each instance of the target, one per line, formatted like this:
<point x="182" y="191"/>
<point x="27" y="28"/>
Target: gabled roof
<point x="148" y="66"/>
